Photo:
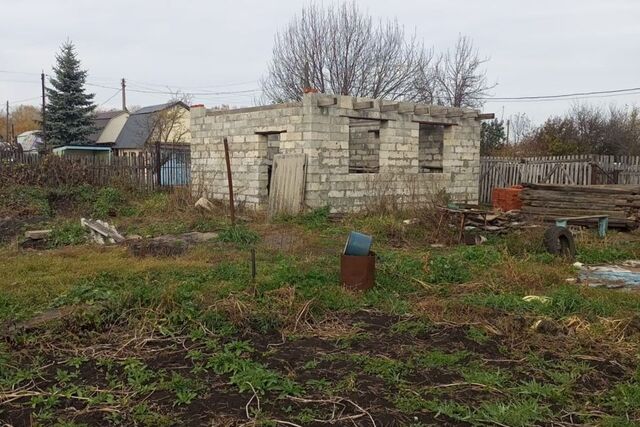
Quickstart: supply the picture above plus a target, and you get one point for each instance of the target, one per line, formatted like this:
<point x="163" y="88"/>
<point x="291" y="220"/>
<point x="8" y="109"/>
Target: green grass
<point x="225" y="333"/>
<point x="482" y="375"/>
<point x="249" y="375"/>
<point x="314" y="219"/>
<point x="605" y="255"/>
<point x="412" y="327"/>
<point x="462" y="264"/>
<point x="240" y="235"/>
<point x="565" y="301"/>
<point x="110" y="202"/>
<point x="438" y="359"/>
<point x="67" y="233"/>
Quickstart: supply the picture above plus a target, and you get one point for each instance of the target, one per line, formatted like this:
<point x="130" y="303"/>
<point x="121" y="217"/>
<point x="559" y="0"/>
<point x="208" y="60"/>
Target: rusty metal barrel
<point x="358" y="273"/>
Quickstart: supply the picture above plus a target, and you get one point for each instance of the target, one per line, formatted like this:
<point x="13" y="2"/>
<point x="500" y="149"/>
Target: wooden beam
<point x="389" y="107"/>
<point x="470" y="115"/>
<point x="362" y="105"/>
<point x="485" y="116"/>
<point x="327" y="101"/>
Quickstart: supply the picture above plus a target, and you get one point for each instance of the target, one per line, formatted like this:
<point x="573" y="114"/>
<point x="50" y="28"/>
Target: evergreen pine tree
<point x="69" y="109"/>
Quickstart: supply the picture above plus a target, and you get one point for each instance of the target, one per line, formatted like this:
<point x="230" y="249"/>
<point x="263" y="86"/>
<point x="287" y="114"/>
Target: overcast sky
<point x="541" y="47"/>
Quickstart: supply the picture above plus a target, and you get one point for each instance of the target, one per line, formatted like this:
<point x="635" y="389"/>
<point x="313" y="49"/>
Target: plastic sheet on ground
<point x="624" y="275"/>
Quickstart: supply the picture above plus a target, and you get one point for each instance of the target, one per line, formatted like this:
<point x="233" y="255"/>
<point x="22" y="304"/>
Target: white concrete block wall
<point x="323" y="134"/>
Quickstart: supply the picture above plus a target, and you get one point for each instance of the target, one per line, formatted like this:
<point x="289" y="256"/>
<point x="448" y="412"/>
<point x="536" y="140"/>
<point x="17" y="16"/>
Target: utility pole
<point x="508" y="131"/>
<point x="7" y="129"/>
<point x="44" y="113"/>
<point x="124" y="94"/>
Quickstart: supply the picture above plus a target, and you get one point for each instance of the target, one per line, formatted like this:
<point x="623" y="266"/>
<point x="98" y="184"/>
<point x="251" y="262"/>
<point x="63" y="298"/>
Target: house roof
<point x="136" y="130"/>
<point x="100" y="121"/>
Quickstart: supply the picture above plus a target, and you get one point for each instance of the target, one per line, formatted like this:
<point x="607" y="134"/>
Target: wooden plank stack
<point x="548" y="201"/>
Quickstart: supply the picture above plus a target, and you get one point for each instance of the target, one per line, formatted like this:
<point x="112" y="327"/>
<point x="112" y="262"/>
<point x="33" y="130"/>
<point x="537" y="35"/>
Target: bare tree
<point x="520" y="127"/>
<point x="460" y="80"/>
<point x="169" y="125"/>
<point x="340" y="50"/>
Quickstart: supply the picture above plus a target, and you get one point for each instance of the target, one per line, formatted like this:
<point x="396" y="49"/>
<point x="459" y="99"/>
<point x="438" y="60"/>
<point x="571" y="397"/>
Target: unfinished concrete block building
<point x="357" y="151"/>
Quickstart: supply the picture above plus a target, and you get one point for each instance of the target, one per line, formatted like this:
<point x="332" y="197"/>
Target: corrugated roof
<point x="137" y="128"/>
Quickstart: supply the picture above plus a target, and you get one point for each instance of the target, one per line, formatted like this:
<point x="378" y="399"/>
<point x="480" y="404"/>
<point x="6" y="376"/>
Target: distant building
<point x="30" y="141"/>
<point x="168" y="124"/>
<point x="84" y="151"/>
<point x="108" y="126"/>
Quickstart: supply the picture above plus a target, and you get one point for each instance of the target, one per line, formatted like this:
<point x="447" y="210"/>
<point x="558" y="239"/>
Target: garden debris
<point x="546" y="326"/>
<point x="537" y="298"/>
<point x="473" y="218"/>
<point x="626" y="275"/>
<point x="576" y="324"/>
<point x="37" y="234"/>
<point x="495" y="222"/>
<point x="411" y="221"/>
<point x="167" y="245"/>
<point x="472" y="239"/>
<point x="101" y="231"/>
<point x="204" y="203"/>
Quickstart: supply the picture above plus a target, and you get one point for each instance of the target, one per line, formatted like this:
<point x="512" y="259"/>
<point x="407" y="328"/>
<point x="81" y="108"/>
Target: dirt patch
<point x="10" y="228"/>
<point x="167" y="245"/>
<point x="344" y="378"/>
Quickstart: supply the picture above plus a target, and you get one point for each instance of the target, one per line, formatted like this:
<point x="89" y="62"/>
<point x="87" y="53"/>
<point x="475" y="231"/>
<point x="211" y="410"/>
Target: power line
<point x="17" y="72"/>
<point x="566" y="95"/>
<point x="574" y="98"/>
<point x="138" y="82"/>
<point x="24" y="100"/>
<point x="173" y="93"/>
<point x="144" y="87"/>
<point x="111" y="97"/>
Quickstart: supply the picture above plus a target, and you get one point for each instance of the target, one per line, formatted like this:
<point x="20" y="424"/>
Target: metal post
<point x="253" y="264"/>
<point x="158" y="165"/>
<point x="44" y="115"/>
<point x="232" y="205"/>
<point x="7" y="124"/>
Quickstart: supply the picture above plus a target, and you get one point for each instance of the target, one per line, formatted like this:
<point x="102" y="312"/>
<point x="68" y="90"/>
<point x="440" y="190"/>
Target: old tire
<point x="559" y="241"/>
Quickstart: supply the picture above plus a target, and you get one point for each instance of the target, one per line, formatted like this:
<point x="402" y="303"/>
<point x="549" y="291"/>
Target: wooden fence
<point x="143" y="171"/>
<point x="569" y="170"/>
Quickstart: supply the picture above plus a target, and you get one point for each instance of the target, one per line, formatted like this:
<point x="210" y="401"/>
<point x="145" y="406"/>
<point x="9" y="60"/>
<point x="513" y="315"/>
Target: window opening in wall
<point x="364" y="146"/>
<point x="430" y="143"/>
<point x="272" y="140"/>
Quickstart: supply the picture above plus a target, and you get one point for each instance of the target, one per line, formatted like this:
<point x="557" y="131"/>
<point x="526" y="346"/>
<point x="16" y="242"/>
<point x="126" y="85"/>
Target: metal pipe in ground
<point x="232" y="205"/>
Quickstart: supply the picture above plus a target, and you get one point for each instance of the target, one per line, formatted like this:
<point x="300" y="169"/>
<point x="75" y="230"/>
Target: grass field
<point x="95" y="336"/>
